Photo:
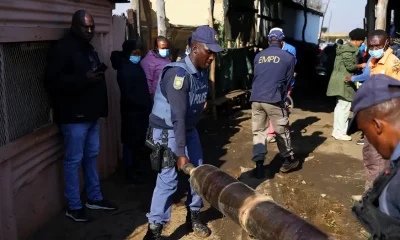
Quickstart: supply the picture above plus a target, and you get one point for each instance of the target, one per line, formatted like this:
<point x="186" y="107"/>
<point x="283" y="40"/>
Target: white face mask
<point x="187" y="52"/>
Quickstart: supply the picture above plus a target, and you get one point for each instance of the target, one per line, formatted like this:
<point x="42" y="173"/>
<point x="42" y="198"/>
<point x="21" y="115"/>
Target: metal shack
<point x="31" y="150"/>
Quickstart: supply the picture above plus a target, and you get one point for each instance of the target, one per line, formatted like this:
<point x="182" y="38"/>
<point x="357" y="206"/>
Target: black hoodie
<point x="136" y="102"/>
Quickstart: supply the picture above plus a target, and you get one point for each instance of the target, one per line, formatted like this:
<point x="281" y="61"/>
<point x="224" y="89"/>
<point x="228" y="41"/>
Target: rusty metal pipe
<point x="255" y="213"/>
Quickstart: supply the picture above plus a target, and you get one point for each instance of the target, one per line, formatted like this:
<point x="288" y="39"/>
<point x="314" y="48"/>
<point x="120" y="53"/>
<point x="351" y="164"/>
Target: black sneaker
<point x="259" y="171"/>
<point x="193" y="221"/>
<point x="100" y="205"/>
<point x="153" y="232"/>
<point x="289" y="164"/>
<point x="77" y="215"/>
<point x="360" y="142"/>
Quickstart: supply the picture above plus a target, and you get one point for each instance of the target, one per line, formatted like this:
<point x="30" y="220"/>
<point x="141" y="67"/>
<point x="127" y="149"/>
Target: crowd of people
<point x="374" y="100"/>
<point x="162" y="101"/>
<point x="373" y="103"/>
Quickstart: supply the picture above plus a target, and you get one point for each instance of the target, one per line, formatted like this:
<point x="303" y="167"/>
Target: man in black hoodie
<point x="136" y="104"/>
<point x="79" y="95"/>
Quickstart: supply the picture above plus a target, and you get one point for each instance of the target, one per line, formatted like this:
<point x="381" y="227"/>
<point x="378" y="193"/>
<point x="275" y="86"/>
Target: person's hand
<point x="362" y="65"/>
<point x="347" y="79"/>
<point x="93" y="76"/>
<point x="182" y="161"/>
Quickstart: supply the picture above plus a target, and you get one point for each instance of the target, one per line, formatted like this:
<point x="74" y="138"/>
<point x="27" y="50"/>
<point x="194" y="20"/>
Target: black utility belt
<point x="162" y="156"/>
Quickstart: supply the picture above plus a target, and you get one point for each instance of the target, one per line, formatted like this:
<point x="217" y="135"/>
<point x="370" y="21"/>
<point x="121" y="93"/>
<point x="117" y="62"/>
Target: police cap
<point x="209" y="36"/>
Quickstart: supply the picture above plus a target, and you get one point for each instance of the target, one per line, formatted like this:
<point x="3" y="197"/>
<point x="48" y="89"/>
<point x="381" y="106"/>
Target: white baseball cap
<point x="276" y="29"/>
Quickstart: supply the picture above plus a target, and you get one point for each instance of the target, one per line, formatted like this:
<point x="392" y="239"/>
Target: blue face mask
<point x="135" y="59"/>
<point x="163" y="52"/>
<point x="377" y="53"/>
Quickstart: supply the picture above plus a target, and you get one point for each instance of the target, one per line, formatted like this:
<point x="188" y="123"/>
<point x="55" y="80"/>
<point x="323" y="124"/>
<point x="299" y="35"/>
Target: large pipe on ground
<point x="255" y="213"/>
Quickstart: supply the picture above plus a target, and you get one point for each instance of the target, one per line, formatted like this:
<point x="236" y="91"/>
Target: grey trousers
<point x="374" y="163"/>
<point x="261" y="114"/>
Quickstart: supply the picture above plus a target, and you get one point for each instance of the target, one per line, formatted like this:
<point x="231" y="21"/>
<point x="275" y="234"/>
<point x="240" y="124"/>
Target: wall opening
<point x="24" y="102"/>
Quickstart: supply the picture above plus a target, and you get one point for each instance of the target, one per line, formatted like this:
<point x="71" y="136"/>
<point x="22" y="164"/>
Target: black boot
<point x="289" y="164"/>
<point x="193" y="221"/>
<point x="259" y="171"/>
<point x="153" y="232"/>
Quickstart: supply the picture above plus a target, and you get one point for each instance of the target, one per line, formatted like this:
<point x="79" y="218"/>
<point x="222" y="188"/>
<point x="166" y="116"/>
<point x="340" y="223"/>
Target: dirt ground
<point x="320" y="191"/>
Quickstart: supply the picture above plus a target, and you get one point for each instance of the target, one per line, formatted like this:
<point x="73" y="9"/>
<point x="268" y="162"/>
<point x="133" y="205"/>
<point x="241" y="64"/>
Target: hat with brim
<point x="214" y="47"/>
<point x="208" y="36"/>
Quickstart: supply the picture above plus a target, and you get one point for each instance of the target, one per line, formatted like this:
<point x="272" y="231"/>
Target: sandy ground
<point x="320" y="191"/>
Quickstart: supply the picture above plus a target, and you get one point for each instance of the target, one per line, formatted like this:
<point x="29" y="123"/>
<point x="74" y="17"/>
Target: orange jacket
<point x="389" y="65"/>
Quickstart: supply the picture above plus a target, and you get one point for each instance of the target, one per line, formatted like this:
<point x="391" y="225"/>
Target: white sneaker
<point x="357" y="198"/>
<point x="334" y="134"/>
<point x="271" y="139"/>
<point x="342" y="137"/>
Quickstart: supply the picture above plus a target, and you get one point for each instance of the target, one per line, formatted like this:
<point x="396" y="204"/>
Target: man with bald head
<point x="78" y="89"/>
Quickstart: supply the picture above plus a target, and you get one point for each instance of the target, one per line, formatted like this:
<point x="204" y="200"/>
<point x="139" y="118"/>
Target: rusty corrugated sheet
<point x="52" y="14"/>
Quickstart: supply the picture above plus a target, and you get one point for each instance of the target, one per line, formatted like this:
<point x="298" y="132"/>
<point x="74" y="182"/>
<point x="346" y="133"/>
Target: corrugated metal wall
<point x="31" y="180"/>
<point x="52" y="13"/>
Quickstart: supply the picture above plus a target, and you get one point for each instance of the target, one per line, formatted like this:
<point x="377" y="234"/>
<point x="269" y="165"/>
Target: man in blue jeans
<point x="79" y="95"/>
<point x="178" y="103"/>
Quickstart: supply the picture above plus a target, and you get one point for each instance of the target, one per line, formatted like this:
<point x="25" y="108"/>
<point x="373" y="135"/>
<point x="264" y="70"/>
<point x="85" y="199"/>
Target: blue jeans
<point x="167" y="180"/>
<point x="82" y="145"/>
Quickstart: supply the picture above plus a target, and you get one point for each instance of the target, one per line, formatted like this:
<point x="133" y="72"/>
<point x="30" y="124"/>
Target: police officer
<point x="273" y="73"/>
<point x="376" y="113"/>
<point x="292" y="50"/>
<point x="178" y="103"/>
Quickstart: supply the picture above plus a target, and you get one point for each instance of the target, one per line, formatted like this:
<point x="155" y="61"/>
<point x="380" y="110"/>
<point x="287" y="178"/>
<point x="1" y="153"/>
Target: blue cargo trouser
<point x="167" y="180"/>
<point x="82" y="145"/>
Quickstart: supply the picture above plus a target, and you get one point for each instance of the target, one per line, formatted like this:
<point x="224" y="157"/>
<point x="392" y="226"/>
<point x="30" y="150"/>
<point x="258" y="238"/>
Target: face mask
<point x="135" y="59"/>
<point x="377" y="53"/>
<point x="163" y="52"/>
<point x="188" y="51"/>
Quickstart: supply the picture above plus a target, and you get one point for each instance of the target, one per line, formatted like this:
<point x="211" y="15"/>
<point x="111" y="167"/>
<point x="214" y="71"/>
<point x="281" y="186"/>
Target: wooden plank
<point x="212" y="68"/>
<point x="26" y="34"/>
<point x="227" y="97"/>
<point x="381" y="12"/>
<point x="161" y="25"/>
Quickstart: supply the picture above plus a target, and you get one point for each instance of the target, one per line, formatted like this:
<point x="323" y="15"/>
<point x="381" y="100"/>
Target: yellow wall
<point x="188" y="12"/>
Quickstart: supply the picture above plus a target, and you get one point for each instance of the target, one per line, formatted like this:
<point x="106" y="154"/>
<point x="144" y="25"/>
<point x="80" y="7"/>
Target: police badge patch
<point x="178" y="82"/>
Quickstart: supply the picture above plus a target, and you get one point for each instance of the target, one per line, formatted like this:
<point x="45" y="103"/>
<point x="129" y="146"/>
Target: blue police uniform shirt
<point x="186" y="101"/>
<point x="273" y="70"/>
<point x="389" y="200"/>
<point x="292" y="50"/>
